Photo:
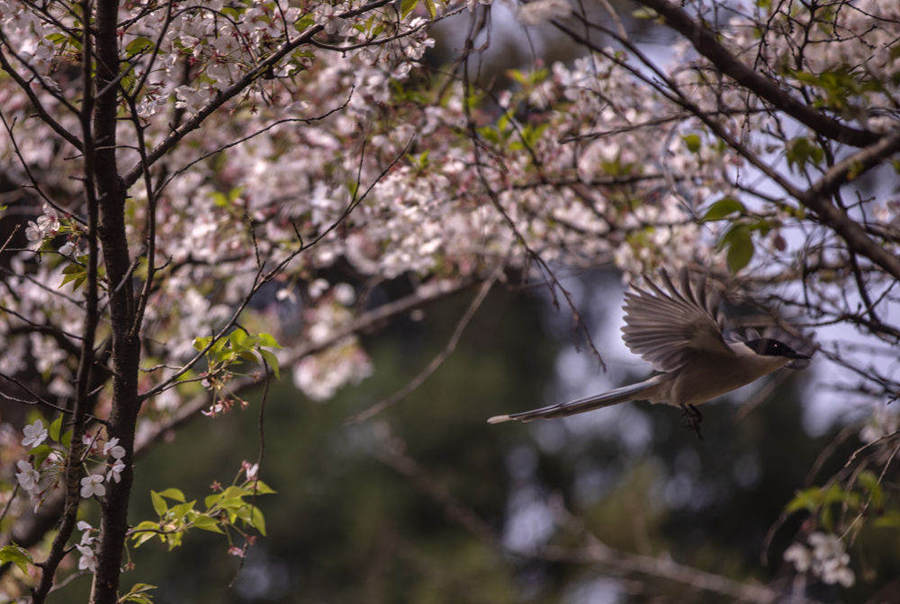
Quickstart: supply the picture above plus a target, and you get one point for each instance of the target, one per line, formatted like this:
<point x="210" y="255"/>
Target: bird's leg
<point x="692" y="418"/>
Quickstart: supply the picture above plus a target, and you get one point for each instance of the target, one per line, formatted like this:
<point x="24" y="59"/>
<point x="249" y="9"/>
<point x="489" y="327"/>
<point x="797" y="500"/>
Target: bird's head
<point x="772" y="347"/>
<point x="773" y="339"/>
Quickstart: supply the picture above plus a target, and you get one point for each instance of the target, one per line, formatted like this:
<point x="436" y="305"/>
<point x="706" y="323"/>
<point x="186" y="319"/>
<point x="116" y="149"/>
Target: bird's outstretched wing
<point x="666" y="324"/>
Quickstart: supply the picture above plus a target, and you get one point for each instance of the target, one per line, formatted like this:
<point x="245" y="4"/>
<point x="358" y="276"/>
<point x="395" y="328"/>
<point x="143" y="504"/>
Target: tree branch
<point x="705" y="42"/>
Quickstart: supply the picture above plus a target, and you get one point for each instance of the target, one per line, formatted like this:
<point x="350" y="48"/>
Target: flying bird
<point x="684" y="332"/>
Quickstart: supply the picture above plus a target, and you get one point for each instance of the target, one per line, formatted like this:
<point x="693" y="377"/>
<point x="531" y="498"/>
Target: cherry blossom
<point x="88" y="559"/>
<point x="92" y="485"/>
<point x="114" y="449"/>
<point x="825" y="558"/>
<point x="800" y="556"/>
<point x="829" y="560"/>
<point x="35" y="434"/>
<point x="115" y="471"/>
<point x="27" y="477"/>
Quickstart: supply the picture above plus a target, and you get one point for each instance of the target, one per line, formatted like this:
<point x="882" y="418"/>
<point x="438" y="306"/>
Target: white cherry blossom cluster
<point x="39" y="41"/>
<point x="88" y="559"/>
<point x="825" y="558"/>
<point x="319" y="376"/>
<point x="46" y="225"/>
<point x="861" y="47"/>
<point x="413" y="211"/>
<point x="36" y="479"/>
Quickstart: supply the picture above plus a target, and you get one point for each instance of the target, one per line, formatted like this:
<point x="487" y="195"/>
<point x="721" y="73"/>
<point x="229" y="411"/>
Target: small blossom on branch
<point x="35" y="434"/>
<point x="92" y="485"/>
<point x="236" y="551"/>
<point x="115" y="471"/>
<point x="28" y="477"/>
<point x="113" y="448"/>
<point x="86" y="529"/>
<point x="798" y="555"/>
<point x="825" y="557"/>
<point x="88" y="560"/>
<point x="252" y="470"/>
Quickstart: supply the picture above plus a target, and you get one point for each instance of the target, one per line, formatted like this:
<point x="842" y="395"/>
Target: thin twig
<point x="436" y="362"/>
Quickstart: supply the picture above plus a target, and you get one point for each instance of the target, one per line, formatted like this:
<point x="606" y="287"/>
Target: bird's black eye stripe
<point x="771" y="347"/>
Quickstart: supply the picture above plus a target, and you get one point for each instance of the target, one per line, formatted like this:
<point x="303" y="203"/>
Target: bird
<point x="683" y="330"/>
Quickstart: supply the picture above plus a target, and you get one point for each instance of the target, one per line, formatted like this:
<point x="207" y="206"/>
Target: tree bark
<point x="125" y="343"/>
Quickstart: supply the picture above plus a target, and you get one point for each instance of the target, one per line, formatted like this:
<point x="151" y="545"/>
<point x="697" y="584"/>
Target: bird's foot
<point x="692" y="417"/>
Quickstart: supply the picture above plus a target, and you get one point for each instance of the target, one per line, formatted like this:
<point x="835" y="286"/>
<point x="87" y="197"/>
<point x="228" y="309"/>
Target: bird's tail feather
<point x="624" y="394"/>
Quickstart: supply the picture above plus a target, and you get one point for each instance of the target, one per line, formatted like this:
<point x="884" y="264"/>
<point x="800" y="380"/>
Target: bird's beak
<point x="800" y="362"/>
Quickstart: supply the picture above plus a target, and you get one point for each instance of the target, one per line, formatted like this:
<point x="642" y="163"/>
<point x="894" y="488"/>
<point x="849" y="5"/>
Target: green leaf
<point x="271" y="361"/>
<point x="212" y="500"/>
<point x="432" y="9"/>
<point x="219" y="199"/>
<point x="801" y="151"/>
<point x="173" y="493"/>
<point x="248" y="356"/>
<point x="740" y="247"/>
<point x="174" y="539"/>
<point x="407" y="6"/>
<point x="145" y="531"/>
<point x="178" y="512"/>
<point x="239" y="339"/>
<point x="137" y="45"/>
<point x="235" y="491"/>
<point x="159" y="504"/>
<point x="835" y="494"/>
<point x="257" y="520"/>
<point x="807" y="499"/>
<point x="722" y="208"/>
<point x="201" y="343"/>
<point x="644" y="13"/>
<point x="16" y="555"/>
<point x="56" y="38"/>
<point x="869" y="482"/>
<point x="267" y="340"/>
<point x="235" y="193"/>
<point x="207" y="523"/>
<point x="692" y="141"/>
<point x="261" y="488"/>
<point x="739" y="254"/>
<point x="40" y="453"/>
<point x="218" y="345"/>
<point x="138" y="594"/>
<point x="76" y="273"/>
<point x="142" y="538"/>
<point x="55" y="427"/>
<point x="304" y="23"/>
